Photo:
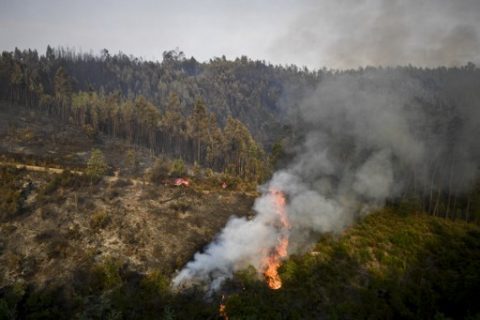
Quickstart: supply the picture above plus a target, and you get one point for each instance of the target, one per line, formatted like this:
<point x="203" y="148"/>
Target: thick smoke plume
<point x="353" y="33"/>
<point x="367" y="137"/>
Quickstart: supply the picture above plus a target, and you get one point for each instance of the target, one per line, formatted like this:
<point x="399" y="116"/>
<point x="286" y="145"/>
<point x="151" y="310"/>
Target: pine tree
<point x="198" y="129"/>
<point x="63" y="91"/>
<point x="96" y="165"/>
<point x="173" y="125"/>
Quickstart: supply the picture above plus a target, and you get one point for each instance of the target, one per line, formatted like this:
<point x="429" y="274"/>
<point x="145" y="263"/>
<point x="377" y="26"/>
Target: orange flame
<point x="222" y="310"/>
<point x="274" y="259"/>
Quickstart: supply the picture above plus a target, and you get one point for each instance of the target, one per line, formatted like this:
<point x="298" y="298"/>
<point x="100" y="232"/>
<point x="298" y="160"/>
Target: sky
<point x="312" y="33"/>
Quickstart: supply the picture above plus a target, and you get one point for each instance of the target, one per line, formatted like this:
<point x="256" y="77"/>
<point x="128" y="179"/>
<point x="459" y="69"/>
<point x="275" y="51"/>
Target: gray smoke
<point x="241" y="243"/>
<point x="353" y="33"/>
<point x="366" y="137"/>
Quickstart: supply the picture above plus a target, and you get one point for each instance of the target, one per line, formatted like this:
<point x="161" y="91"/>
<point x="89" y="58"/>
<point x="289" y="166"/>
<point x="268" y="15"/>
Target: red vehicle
<point x="181" y="182"/>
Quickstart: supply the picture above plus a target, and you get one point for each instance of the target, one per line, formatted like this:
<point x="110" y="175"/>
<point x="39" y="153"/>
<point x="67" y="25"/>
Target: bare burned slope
<point x="65" y="225"/>
<point x="139" y="225"/>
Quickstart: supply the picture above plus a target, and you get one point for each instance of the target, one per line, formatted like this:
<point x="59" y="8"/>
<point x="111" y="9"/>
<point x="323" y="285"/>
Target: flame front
<point x="222" y="309"/>
<point x="274" y="259"/>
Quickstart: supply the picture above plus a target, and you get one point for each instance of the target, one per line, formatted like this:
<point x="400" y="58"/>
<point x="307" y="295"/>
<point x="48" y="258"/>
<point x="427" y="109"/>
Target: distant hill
<point x="259" y="94"/>
<point x="251" y="91"/>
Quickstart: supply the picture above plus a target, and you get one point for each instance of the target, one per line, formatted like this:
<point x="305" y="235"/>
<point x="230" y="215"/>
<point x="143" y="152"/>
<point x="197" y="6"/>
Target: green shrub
<point x="159" y="171"/>
<point x="163" y="169"/>
<point x="106" y="275"/>
<point x="10" y="203"/>
<point x="51" y="186"/>
<point x="178" y="168"/>
<point x="10" y="193"/>
<point x="66" y="179"/>
<point x="97" y="165"/>
<point x="46" y="303"/>
<point x="156" y="283"/>
<point x="407" y="205"/>
<point x="131" y="161"/>
<point x="10" y="299"/>
<point x="99" y="219"/>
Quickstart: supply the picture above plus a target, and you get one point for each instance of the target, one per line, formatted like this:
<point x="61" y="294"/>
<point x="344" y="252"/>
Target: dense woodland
<point x="250" y="91"/>
<point x="226" y="115"/>
<point x="221" y="114"/>
<point x="159" y="105"/>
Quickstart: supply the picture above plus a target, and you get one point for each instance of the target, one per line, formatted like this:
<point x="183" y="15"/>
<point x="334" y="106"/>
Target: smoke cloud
<point x="352" y="33"/>
<point x="367" y="137"/>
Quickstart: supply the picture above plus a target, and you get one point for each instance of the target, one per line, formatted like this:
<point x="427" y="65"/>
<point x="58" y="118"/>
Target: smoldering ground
<point x="367" y="137"/>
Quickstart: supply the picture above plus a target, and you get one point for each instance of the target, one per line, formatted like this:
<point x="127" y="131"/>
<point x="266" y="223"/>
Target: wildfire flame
<point x="222" y="309"/>
<point x="274" y="258"/>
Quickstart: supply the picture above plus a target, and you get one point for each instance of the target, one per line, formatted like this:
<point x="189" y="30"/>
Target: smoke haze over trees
<point x="180" y="106"/>
<point x="352" y="140"/>
<point x="364" y="138"/>
<point x="312" y="159"/>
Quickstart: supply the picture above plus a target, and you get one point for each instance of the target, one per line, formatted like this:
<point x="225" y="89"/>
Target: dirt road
<point x="38" y="168"/>
<point x="60" y="171"/>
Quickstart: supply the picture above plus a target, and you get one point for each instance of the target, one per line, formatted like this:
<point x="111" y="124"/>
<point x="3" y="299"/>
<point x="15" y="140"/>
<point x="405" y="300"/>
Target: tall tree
<point x="96" y="165"/>
<point x="198" y="126"/>
<point x="63" y="91"/>
<point x="173" y="123"/>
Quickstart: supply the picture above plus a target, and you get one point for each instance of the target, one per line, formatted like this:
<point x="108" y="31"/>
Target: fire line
<point x="274" y="259"/>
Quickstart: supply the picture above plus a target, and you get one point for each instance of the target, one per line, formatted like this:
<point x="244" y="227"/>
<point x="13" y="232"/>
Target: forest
<point x="378" y="168"/>
<point x="240" y="116"/>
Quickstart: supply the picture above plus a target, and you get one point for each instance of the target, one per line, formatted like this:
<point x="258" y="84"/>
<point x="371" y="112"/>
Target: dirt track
<point x="38" y="168"/>
<point x="60" y="171"/>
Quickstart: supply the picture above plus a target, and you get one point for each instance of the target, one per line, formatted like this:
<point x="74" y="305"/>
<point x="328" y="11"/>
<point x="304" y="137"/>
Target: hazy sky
<point x="337" y="33"/>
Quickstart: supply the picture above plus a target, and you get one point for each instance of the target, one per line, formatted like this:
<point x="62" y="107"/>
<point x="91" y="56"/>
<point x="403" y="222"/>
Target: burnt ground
<point x="63" y="228"/>
<point x="146" y="227"/>
<point x="30" y="137"/>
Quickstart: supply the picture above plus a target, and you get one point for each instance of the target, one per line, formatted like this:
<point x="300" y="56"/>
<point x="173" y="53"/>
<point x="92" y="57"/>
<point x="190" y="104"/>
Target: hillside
<point x="118" y="175"/>
<point x="31" y="137"/>
<point x="389" y="266"/>
<point x="60" y="227"/>
<point x="109" y="249"/>
<point x="264" y="97"/>
<point x="240" y="160"/>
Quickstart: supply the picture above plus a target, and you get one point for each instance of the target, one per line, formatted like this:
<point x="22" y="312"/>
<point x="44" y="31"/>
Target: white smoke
<point x="241" y="243"/>
<point x="365" y="136"/>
